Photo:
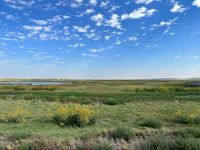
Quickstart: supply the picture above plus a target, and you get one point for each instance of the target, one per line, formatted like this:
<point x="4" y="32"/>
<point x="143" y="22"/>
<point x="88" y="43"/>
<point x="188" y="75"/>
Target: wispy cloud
<point x="20" y="4"/>
<point x="177" y="8"/>
<point x="195" y="57"/>
<point x="139" y="13"/>
<point x="145" y="1"/>
<point x="82" y="29"/>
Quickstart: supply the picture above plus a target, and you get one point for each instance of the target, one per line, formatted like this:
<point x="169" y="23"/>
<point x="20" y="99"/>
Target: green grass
<point x="104" y="146"/>
<point x="151" y="123"/>
<point x="184" y="139"/>
<point x="124" y="110"/>
<point x="162" y="143"/>
<point x="122" y="133"/>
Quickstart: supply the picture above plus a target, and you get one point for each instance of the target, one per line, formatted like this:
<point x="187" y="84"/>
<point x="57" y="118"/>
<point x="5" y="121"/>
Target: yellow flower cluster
<point x="195" y="114"/>
<point x="17" y="116"/>
<point x="79" y="115"/>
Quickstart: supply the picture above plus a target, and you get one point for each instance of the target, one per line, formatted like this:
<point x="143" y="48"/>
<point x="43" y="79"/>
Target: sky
<point x="93" y="39"/>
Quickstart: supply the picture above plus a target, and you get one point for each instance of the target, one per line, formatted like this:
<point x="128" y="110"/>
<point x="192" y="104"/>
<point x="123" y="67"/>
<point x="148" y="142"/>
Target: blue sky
<point x="109" y="39"/>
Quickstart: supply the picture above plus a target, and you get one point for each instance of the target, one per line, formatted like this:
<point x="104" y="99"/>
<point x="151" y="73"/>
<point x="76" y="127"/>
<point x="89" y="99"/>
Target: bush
<point x="17" y="116"/>
<point x="122" y="133"/>
<point x="188" y="117"/>
<point x="73" y="115"/>
<point x="152" y="123"/>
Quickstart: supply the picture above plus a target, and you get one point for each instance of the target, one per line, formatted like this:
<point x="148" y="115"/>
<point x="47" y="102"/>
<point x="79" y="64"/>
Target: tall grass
<point x="122" y="133"/>
<point x="151" y="123"/>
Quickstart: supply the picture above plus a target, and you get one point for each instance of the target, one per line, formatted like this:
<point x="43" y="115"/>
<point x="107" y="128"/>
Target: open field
<point x="129" y="115"/>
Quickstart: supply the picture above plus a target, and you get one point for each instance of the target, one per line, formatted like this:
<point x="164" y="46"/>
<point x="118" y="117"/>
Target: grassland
<point x="137" y="114"/>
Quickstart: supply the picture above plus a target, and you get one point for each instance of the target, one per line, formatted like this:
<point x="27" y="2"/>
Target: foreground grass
<point x="125" y="110"/>
<point x="108" y="117"/>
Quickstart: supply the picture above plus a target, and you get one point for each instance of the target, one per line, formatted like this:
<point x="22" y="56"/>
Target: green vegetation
<point x="73" y="115"/>
<point x="185" y="139"/>
<point x="99" y="115"/>
<point x="17" y="116"/>
<point x="192" y="117"/>
<point x="104" y="146"/>
<point x="122" y="133"/>
<point x="151" y="123"/>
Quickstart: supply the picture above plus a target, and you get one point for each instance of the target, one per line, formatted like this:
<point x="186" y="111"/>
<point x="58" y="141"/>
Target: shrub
<point x="152" y="123"/>
<point x="73" y="115"/>
<point x="188" y="117"/>
<point x="122" y="133"/>
<point x="17" y="116"/>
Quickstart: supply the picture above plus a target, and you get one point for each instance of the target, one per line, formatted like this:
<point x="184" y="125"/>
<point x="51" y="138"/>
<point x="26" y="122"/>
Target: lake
<point x="32" y="83"/>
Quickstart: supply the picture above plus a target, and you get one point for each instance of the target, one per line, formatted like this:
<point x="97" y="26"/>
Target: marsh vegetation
<point x="146" y="115"/>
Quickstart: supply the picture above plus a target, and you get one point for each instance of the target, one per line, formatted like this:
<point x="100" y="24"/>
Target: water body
<point x="32" y="83"/>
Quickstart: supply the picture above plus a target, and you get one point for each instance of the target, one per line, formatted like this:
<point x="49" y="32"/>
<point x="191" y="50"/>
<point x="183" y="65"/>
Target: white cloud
<point x="34" y="28"/>
<point x="132" y="38"/>
<point x="196" y="3"/>
<point x="89" y="55"/>
<point x="89" y="11"/>
<point x="177" y="8"/>
<point x="81" y="29"/>
<point x="57" y="18"/>
<point x="9" y="16"/>
<point x="139" y="13"/>
<point x="144" y="1"/>
<point x="98" y="19"/>
<point x="40" y="22"/>
<point x="178" y="56"/>
<point x="195" y="57"/>
<point x="107" y="37"/>
<point x="47" y="28"/>
<point x="113" y="8"/>
<point x="77" y="45"/>
<point x="114" y="22"/>
<point x="104" y="4"/>
<point x="152" y="46"/>
<point x="172" y="33"/>
<point x="165" y="23"/>
<point x="76" y="3"/>
<point x="118" y="42"/>
<point x="96" y="50"/>
<point x="43" y="36"/>
<point x="66" y="17"/>
<point x="93" y="2"/>
<point x="19" y="4"/>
